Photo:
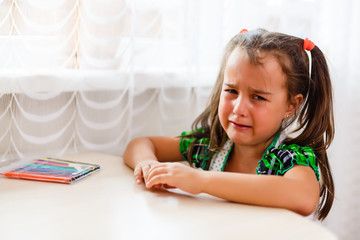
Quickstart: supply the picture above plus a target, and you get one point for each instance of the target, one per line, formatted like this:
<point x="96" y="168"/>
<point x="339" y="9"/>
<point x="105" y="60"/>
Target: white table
<point x="109" y="205"/>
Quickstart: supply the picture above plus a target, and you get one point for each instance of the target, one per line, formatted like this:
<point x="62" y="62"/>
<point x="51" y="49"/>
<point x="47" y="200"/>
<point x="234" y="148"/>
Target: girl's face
<point x="253" y="100"/>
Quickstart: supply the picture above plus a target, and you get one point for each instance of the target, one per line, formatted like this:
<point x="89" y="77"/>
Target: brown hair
<point x="315" y="121"/>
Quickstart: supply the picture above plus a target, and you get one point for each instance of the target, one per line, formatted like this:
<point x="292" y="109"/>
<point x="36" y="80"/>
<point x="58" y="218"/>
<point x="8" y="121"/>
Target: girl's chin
<point x="238" y="137"/>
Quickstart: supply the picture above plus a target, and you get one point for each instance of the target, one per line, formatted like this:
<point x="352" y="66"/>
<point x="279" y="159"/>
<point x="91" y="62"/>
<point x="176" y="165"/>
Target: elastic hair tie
<point x="243" y="31"/>
<point x="308" y="46"/>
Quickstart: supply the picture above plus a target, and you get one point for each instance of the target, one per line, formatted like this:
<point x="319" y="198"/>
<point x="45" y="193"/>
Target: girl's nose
<point x="240" y="107"/>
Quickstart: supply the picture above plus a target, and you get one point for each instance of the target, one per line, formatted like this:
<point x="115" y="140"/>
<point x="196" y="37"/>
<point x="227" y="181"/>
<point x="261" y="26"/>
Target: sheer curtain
<point x="91" y="75"/>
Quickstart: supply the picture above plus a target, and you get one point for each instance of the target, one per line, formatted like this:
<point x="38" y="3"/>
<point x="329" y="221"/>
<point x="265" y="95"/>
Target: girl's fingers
<point x="156" y="175"/>
<point x="147" y="170"/>
<point x="138" y="175"/>
<point x="151" y="183"/>
<point x="158" y="186"/>
<point x="156" y="179"/>
<point x="155" y="170"/>
<point x="140" y="172"/>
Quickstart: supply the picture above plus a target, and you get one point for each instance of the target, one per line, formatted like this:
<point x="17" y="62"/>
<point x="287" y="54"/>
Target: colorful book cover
<point x="52" y="170"/>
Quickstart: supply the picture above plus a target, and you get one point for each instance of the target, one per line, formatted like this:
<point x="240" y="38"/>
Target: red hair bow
<point x="308" y="45"/>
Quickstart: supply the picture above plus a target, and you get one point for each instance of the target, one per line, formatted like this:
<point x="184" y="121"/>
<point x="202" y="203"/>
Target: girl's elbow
<point x="307" y="206"/>
<point x="306" y="210"/>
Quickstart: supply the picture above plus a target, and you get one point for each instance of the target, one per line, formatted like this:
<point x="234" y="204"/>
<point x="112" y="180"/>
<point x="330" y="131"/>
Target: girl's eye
<point x="260" y="98"/>
<point x="233" y="91"/>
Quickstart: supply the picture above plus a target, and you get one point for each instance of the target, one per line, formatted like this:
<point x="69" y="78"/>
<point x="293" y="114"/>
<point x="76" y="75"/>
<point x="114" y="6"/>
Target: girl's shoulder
<point x="278" y="160"/>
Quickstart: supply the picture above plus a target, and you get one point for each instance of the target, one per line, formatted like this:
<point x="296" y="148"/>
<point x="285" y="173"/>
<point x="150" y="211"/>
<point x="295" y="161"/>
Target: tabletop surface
<point x="109" y="205"/>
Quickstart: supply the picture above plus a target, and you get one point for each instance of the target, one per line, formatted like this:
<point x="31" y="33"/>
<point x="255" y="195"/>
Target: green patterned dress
<point x="277" y="159"/>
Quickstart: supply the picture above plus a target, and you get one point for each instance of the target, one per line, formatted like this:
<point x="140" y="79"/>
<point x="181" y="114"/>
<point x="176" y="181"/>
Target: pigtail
<point x="316" y="120"/>
<point x="322" y="110"/>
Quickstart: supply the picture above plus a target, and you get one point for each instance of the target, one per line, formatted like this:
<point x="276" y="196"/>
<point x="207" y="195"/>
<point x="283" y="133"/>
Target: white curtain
<point x="89" y="75"/>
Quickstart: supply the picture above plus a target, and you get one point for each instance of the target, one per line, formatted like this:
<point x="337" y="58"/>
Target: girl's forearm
<point x="263" y="190"/>
<point x="139" y="149"/>
<point x="160" y="149"/>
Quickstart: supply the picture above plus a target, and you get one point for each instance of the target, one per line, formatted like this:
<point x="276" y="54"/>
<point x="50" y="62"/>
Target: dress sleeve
<point x="199" y="152"/>
<point x="281" y="159"/>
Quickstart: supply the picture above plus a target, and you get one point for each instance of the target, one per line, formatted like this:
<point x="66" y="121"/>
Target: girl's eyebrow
<point x="257" y="91"/>
<point x="229" y="84"/>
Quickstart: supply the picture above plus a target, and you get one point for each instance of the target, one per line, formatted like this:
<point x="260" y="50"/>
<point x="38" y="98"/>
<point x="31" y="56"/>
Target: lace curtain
<point x="94" y="74"/>
<point x="89" y="75"/>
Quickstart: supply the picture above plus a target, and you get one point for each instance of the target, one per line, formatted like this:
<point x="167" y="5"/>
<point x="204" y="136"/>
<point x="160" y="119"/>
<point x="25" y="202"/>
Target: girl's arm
<point x="298" y="190"/>
<point x="142" y="153"/>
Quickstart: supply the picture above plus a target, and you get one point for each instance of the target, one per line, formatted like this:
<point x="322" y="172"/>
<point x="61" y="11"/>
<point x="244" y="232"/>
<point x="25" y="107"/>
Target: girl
<point x="267" y="81"/>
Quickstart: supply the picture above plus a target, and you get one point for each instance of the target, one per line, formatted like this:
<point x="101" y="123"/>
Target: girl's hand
<point x="175" y="175"/>
<point x="142" y="169"/>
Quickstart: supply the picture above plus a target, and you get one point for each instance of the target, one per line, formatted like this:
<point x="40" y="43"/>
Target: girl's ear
<point x="293" y="105"/>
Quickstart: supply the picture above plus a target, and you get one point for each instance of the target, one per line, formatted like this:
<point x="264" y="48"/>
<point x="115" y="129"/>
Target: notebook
<point x="52" y="170"/>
